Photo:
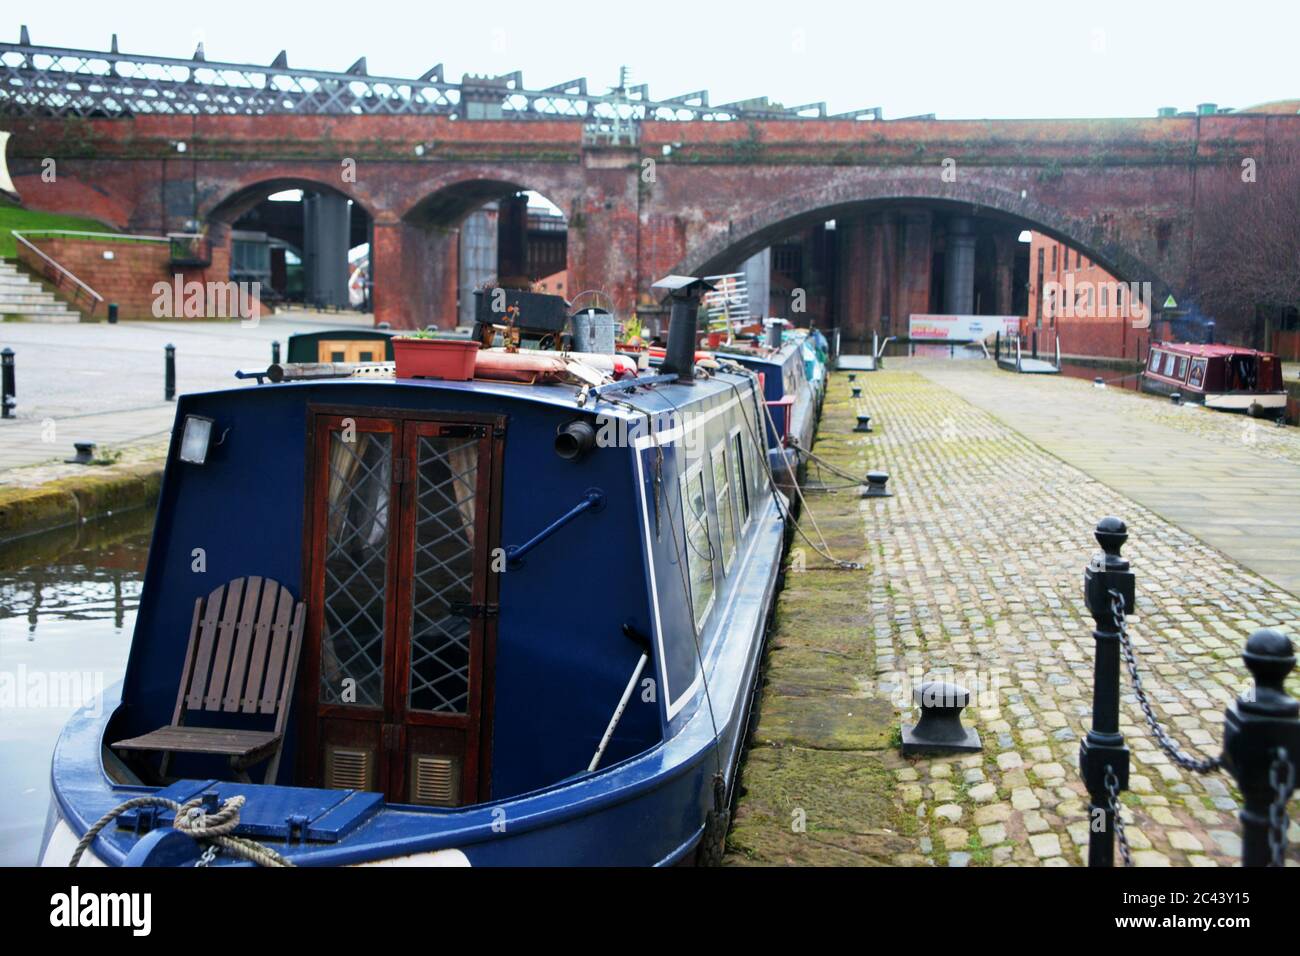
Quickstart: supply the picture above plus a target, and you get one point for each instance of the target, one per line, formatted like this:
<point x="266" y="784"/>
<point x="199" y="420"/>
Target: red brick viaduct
<point x="690" y="196"/>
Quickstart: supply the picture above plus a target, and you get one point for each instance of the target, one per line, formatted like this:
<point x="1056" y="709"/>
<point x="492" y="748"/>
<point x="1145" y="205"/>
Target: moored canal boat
<point x="415" y="621"/>
<point x="793" y="401"/>
<point x="1223" y="377"/>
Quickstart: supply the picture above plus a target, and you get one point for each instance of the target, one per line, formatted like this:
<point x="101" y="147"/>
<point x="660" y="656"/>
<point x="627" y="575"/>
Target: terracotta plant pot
<point x="449" y="359"/>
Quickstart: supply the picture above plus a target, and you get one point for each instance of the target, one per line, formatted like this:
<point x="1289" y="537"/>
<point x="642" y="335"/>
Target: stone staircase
<point x="23" y="297"/>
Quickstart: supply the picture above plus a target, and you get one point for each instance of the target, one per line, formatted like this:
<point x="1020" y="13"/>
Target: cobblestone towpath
<point x="973" y="573"/>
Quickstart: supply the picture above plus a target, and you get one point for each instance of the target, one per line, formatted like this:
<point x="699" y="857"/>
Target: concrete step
<point x="24" y="295"/>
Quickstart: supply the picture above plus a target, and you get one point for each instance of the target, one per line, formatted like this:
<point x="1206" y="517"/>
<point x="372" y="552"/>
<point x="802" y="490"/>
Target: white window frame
<point x="729" y="548"/>
<point x="740" y="479"/>
<point x="688" y="515"/>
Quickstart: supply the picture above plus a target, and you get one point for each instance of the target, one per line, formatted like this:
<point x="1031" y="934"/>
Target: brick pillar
<point x="1004" y="252"/>
<point x="874" y="272"/>
<point x="604" y="237"/>
<point x="853" y="282"/>
<point x="887" y="278"/>
<point x="414" y="271"/>
<point x="914" y="267"/>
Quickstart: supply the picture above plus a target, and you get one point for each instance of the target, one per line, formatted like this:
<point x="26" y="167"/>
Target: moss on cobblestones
<point x="973" y="573"/>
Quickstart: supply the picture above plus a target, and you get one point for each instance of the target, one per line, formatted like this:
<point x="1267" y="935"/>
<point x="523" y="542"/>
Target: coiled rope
<point x="192" y="819"/>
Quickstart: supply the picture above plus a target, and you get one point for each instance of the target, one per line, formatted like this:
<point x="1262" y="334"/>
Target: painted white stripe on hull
<point x="1243" y="402"/>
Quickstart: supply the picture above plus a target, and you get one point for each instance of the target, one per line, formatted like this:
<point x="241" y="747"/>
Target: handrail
<point x="112" y="236"/>
<point x="62" y="270"/>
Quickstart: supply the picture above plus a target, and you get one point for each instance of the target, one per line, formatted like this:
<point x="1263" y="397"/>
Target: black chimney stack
<point x="685" y="292"/>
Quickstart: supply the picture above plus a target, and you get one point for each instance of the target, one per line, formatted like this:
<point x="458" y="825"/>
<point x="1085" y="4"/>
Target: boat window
<point x="1182" y="367"/>
<point x="1197" y="378"/>
<point x="447" y="470"/>
<point x="1154" y="361"/>
<point x="1169" y="364"/>
<point x="699" y="550"/>
<point x="722" y="496"/>
<point x="356" y="567"/>
<point x="742" y="476"/>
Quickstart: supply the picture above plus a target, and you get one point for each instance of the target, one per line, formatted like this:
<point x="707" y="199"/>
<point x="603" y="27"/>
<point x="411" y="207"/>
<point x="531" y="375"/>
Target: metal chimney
<point x="685" y="292"/>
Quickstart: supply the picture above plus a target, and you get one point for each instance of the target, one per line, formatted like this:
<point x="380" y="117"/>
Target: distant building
<point x="1095" y="314"/>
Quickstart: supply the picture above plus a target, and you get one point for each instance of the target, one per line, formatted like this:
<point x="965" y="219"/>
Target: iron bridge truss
<point x="57" y="81"/>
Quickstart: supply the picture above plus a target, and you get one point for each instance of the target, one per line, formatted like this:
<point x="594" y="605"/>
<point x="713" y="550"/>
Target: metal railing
<point x="58" y="81"/>
<point x="55" y="273"/>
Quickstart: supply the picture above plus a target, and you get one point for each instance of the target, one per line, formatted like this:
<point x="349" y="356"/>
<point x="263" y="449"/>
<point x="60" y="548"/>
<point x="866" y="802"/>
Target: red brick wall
<point x="129" y="277"/>
<point x="1097" y="329"/>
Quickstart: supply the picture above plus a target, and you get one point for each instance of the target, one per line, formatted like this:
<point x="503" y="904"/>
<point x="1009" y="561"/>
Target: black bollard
<point x="7" y="388"/>
<point x="1103" y="757"/>
<point x="112" y="313"/>
<point x="275" y="352"/>
<point x="169" y="372"/>
<point x="1261" y="744"/>
<point x="857" y="391"/>
<point x="875" y="486"/>
<point x="939" y="729"/>
<point x="864" y="423"/>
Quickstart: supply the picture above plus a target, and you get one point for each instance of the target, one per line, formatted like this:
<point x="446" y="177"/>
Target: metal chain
<point x="1167" y="743"/>
<point x="1112" y="788"/>
<point x="1281" y="776"/>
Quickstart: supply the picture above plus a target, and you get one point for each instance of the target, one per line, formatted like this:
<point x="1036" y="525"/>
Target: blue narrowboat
<point x="792" y="401"/>
<point x="435" y="622"/>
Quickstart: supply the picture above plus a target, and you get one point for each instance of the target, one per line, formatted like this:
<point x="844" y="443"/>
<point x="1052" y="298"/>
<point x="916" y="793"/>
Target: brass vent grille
<point x="435" y="780"/>
<point x="349" y="769"/>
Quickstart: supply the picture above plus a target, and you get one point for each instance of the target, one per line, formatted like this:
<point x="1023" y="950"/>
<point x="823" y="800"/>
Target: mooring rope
<point x="853" y="481"/>
<point x="216" y="829"/>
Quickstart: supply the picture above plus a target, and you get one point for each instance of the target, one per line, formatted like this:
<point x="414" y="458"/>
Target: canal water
<point x="67" y="607"/>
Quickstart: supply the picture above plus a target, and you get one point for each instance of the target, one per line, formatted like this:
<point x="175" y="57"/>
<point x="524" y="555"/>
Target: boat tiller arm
<point x="642" y="642"/>
<point x="593" y="499"/>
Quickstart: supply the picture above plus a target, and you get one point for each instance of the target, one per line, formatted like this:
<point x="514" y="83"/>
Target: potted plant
<point x="425" y="354"/>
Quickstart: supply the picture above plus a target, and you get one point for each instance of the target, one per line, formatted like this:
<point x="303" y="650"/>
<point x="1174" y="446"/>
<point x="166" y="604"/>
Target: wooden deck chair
<point x="242" y="658"/>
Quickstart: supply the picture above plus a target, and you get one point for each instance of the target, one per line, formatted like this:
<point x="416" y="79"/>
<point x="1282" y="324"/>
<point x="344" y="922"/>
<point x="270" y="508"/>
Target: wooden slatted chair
<point x="242" y="658"/>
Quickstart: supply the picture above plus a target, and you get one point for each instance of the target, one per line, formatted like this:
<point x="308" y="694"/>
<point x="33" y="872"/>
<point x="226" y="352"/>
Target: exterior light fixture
<point x="419" y="149"/>
<point x="181" y="147"/>
<point x="196" y="438"/>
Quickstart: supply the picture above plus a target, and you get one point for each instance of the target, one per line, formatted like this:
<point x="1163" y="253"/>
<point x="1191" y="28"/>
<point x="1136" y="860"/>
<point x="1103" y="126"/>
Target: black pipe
<point x="574" y="440"/>
<point x="682" y="335"/>
<point x="275" y="352"/>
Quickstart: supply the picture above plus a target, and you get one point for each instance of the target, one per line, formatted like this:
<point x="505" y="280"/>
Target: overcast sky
<point x="959" y="60"/>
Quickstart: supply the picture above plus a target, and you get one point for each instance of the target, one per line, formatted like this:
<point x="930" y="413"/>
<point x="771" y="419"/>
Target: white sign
<point x="959" y="328"/>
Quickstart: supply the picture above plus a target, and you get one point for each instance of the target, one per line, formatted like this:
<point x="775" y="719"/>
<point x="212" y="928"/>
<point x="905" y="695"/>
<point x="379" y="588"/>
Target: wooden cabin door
<point x="401" y="613"/>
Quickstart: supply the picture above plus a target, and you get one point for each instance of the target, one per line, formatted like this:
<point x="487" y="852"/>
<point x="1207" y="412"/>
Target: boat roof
<point x="652" y="396"/>
<point x="1208" y="351"/>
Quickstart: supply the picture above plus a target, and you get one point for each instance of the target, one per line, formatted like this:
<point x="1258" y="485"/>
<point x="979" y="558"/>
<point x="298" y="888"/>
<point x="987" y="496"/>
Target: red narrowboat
<point x="1223" y="377"/>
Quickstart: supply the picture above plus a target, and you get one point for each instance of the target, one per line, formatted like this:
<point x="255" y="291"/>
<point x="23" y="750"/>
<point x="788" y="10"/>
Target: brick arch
<point x="746" y="236"/>
<point x="228" y="201"/>
<point x="445" y="201"/>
